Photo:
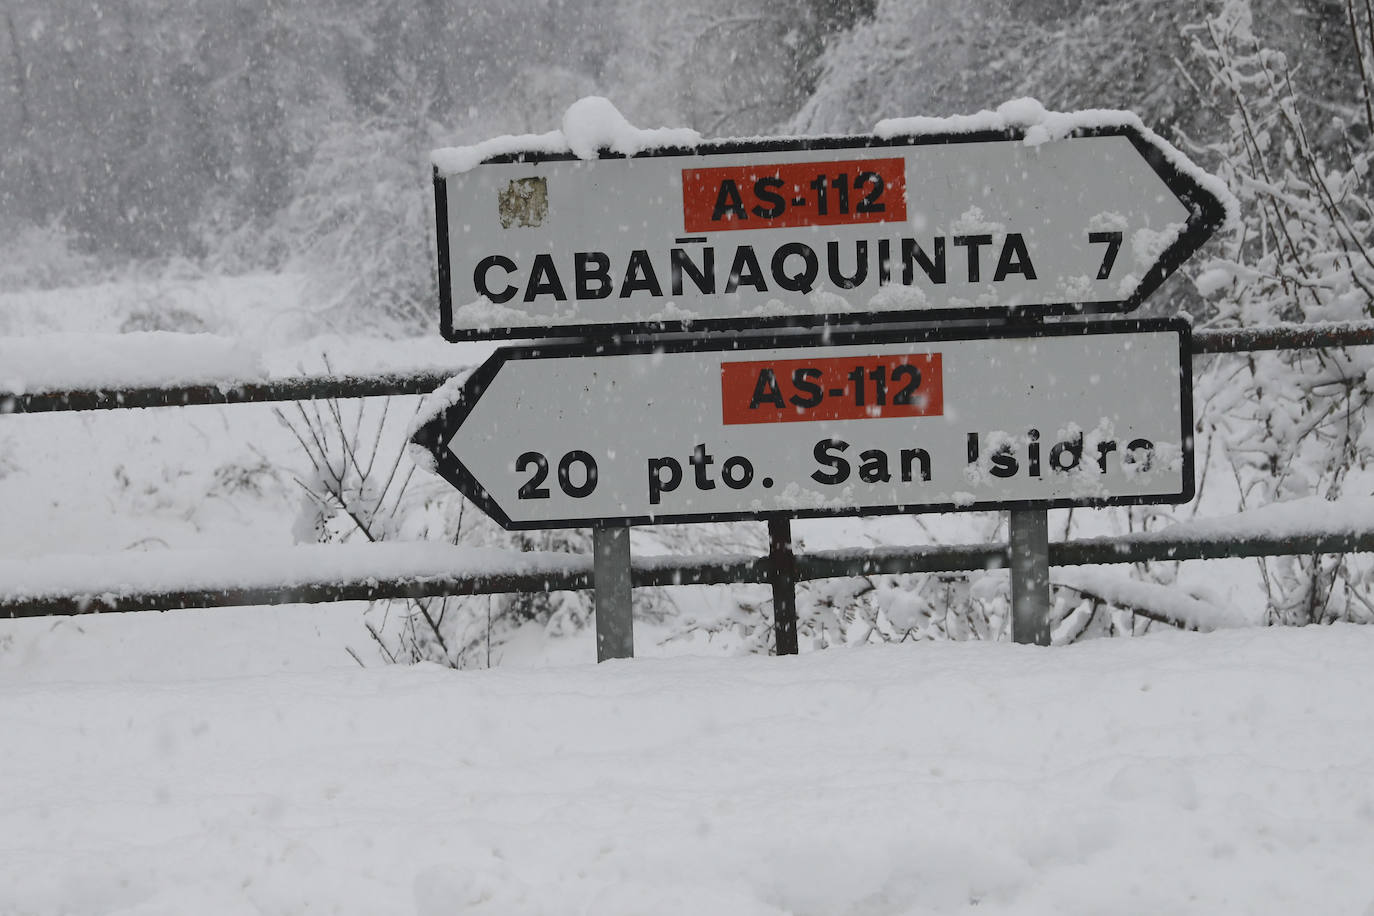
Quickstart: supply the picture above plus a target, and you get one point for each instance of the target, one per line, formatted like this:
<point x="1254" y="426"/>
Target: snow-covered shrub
<point x="361" y="486"/>
<point x="915" y="607"/>
<point x="1290" y="423"/>
<point x="361" y="224"/>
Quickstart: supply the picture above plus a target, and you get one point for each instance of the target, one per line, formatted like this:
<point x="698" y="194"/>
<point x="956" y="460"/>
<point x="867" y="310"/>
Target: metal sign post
<point x="976" y="224"/>
<point x="615" y="636"/>
<point x="783" y="580"/>
<point x="1028" y="538"/>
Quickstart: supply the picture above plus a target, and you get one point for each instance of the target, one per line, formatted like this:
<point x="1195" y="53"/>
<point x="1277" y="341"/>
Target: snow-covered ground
<point x="1220" y="773"/>
<point x="147" y="479"/>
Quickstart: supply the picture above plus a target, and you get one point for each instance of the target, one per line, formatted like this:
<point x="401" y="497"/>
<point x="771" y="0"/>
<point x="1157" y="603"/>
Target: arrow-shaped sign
<point x="855" y="423"/>
<point x="821" y="231"/>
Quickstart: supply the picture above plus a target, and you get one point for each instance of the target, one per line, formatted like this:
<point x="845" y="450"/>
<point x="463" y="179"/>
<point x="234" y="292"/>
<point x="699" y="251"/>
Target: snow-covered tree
<point x="1291" y="423"/>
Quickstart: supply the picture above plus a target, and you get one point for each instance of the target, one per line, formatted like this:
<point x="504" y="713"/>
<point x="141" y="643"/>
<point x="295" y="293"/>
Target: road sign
<point x="845" y="423"/>
<point x="811" y="232"/>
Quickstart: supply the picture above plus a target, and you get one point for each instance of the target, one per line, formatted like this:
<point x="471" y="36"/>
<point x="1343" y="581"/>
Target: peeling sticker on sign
<point x="524" y="202"/>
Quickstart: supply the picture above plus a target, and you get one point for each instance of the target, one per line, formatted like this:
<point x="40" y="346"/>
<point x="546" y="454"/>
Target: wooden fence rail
<point x="576" y="573"/>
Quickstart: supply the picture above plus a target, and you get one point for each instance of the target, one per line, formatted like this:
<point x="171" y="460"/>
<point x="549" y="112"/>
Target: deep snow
<point x="1220" y="773"/>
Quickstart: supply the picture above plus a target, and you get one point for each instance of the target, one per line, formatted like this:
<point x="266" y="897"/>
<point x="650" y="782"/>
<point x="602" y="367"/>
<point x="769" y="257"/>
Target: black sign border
<point x="1206" y="215"/>
<point x="435" y="434"/>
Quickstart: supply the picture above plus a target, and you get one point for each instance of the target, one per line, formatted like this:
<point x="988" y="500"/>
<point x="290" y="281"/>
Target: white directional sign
<point x="812" y="232"/>
<point x="863" y="422"/>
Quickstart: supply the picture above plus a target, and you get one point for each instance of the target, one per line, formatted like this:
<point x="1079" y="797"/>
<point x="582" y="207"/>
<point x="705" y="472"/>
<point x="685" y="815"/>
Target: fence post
<point x="1028" y="536"/>
<point x="783" y="577"/>
<point x="615" y="636"/>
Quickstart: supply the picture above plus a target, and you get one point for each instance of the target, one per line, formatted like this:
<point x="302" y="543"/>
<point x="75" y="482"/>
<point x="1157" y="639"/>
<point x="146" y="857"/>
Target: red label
<point x="842" y="388"/>
<point x="794" y="194"/>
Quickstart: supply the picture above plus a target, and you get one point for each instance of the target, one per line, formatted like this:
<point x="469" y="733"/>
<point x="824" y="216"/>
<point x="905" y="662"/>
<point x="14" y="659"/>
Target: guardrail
<point x="781" y="567"/>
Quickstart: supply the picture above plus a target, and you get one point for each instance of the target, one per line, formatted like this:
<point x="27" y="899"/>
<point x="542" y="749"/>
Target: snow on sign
<point x="859" y="422"/>
<point x="1063" y="214"/>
